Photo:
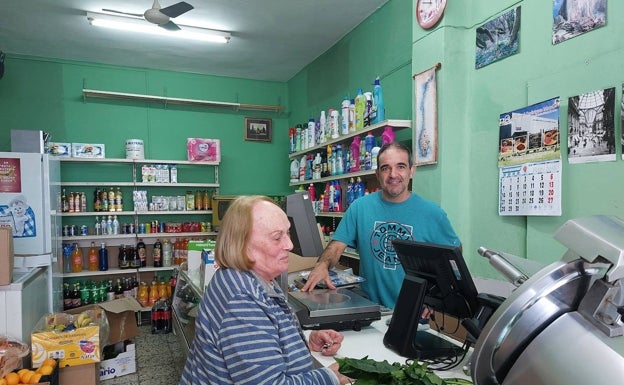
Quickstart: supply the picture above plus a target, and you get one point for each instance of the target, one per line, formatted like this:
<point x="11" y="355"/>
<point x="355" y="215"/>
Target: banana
<point x="86" y="321"/>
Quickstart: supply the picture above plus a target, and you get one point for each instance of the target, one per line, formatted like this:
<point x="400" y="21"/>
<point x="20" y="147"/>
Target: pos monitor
<point x="304" y="231"/>
<point x="436" y="277"/>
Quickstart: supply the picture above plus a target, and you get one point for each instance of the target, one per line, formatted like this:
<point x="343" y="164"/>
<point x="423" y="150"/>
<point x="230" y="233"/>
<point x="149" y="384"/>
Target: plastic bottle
<point x="337" y="197"/>
<point x="333" y="161"/>
<point x="360" y="106"/>
<point x="67" y="258"/>
<point x="350" y="192"/>
<point x="93" y="258"/>
<point x="312" y="192"/>
<point x="323" y="127"/>
<point x="76" y="258"/>
<point x="368" y="109"/>
<point x="329" y="161"/>
<point x="143" y="294"/>
<point x="379" y="110"/>
<point x="369" y="142"/>
<point x="103" y="226"/>
<point x="294" y="170"/>
<point x="374" y="153"/>
<point x="339" y="160"/>
<point x="157" y="253"/>
<point x="115" y="225"/>
<point x="124" y="262"/>
<point x="311" y="133"/>
<point x="103" y="257"/>
<point x="344" y="114"/>
<point x="316" y="166"/>
<point x="355" y="154"/>
<point x="302" y="168"/>
<point x="167" y="254"/>
<point x="387" y="136"/>
<point x="141" y="253"/>
<point x="153" y="294"/>
<point x="298" y="138"/>
<point x="334" y="124"/>
<point x="352" y="116"/>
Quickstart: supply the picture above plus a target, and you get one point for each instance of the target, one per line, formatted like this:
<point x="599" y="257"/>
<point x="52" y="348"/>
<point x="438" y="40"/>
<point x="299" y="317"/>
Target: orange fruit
<point x="49" y="362"/>
<point x="34" y="379"/>
<point x="45" y="370"/>
<point x="12" y="378"/>
<point x="25" y="376"/>
<point x="3" y="381"/>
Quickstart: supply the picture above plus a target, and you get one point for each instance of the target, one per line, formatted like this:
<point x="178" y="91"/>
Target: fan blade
<point x="176" y="10"/>
<point x="170" y="26"/>
<point x="122" y="13"/>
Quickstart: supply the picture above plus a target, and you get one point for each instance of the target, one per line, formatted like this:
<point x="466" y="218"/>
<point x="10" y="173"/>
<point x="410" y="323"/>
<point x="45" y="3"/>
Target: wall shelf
<point x="97" y="94"/>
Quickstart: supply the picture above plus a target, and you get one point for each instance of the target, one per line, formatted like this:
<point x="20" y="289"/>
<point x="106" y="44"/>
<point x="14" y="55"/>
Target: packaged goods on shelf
<point x="203" y="150"/>
<point x="88" y="150"/>
<point x="60" y="149"/>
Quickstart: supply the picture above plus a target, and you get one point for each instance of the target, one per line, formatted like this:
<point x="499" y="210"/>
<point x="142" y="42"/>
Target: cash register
<point x="339" y="309"/>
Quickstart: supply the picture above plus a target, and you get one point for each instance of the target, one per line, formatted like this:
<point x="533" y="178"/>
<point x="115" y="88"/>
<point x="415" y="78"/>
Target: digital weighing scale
<point x="339" y="309"/>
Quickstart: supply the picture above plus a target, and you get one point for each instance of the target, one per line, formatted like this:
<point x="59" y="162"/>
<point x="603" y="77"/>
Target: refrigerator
<point x="30" y="195"/>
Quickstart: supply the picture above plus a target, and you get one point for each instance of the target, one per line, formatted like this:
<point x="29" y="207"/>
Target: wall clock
<point x="429" y="12"/>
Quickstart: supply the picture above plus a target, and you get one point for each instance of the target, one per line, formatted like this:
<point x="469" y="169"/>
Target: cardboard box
<point x="124" y="363"/>
<point x="77" y="346"/>
<point x="203" y="150"/>
<point x="60" y="149"/>
<point x="80" y="375"/>
<point x="85" y="344"/>
<point x="6" y="255"/>
<point x="88" y="150"/>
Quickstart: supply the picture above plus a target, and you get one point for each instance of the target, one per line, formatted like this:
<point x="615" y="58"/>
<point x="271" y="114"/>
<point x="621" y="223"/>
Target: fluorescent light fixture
<point x="135" y="24"/>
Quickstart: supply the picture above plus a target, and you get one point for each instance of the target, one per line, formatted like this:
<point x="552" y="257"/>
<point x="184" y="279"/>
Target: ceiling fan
<point x="160" y="16"/>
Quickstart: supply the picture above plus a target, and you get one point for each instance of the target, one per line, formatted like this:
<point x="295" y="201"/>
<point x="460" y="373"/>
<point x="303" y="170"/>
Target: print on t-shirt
<point x="381" y="242"/>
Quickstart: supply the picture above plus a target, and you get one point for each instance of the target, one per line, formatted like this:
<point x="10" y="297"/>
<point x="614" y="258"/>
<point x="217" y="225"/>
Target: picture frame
<point x="258" y="129"/>
<point x="425" y="132"/>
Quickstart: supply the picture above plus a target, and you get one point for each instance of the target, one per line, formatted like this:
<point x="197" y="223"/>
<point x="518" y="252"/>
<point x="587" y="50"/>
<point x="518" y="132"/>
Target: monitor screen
<point x="436" y="277"/>
<point x="304" y="231"/>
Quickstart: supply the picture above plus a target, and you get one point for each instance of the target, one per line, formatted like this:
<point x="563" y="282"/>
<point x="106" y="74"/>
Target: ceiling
<point x="271" y="39"/>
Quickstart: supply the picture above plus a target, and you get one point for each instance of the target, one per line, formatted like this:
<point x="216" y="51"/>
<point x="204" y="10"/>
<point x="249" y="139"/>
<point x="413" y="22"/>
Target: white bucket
<point x="135" y="149"/>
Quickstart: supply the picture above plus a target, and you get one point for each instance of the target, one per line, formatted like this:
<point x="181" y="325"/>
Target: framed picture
<point x="425" y="132"/>
<point x="258" y="129"/>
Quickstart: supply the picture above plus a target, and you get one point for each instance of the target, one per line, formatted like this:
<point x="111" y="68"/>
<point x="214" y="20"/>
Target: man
<point x="373" y="221"/>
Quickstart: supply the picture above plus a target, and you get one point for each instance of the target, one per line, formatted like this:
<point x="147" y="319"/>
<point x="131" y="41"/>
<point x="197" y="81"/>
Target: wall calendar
<point x="529" y="161"/>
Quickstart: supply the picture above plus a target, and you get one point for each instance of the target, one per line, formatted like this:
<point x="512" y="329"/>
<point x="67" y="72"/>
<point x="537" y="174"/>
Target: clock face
<point x="429" y="12"/>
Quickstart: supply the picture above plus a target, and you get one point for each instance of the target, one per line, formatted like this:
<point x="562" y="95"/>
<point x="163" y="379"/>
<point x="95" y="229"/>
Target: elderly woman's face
<point x="269" y="241"/>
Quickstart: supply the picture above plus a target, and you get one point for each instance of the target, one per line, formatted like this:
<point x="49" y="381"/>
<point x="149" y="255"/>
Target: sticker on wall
<point x="591" y="127"/>
<point x="529" y="160"/>
<point x="575" y="17"/>
<point x="19" y="216"/>
<point x="498" y="38"/>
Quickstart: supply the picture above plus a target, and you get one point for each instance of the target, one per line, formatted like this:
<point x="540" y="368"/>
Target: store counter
<point x="369" y="342"/>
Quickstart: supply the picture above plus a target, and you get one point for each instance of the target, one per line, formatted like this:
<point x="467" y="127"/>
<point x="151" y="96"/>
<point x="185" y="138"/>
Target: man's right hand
<point x="318" y="274"/>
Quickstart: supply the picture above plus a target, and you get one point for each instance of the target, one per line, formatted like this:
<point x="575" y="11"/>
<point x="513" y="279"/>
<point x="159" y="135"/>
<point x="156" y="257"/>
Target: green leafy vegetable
<point x="370" y="372"/>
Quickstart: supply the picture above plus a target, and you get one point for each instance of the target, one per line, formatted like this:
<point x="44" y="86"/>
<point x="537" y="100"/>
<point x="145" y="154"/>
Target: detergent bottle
<point x="379" y="111"/>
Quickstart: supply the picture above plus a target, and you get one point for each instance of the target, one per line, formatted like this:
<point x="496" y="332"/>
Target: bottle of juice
<point x="93" y="258"/>
<point x="153" y="294"/>
<point x="143" y="294"/>
<point x="142" y="253"/>
<point x="76" y="259"/>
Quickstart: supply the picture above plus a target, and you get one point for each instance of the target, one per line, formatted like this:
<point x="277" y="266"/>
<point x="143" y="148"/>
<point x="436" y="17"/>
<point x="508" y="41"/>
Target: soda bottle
<point x="76" y="259"/>
<point x="111" y="199"/>
<point x="206" y="200"/>
<point x="93" y="258"/>
<point x="118" y="289"/>
<point x="97" y="203"/>
<point x="104" y="200"/>
<point x="118" y="200"/>
<point x="124" y="263"/>
<point x="135" y="262"/>
<point x="64" y="202"/>
<point x="75" y="295"/>
<point x="157" y="253"/>
<point x="157" y="317"/>
<point x="110" y="291"/>
<point x="162" y="290"/>
<point x="103" y="257"/>
<point x="176" y="252"/>
<point x="142" y="253"/>
<point x="83" y="202"/>
<point x="67" y="300"/>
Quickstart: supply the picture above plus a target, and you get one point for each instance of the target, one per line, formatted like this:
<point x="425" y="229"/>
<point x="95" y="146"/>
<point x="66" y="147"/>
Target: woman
<point x="245" y="331"/>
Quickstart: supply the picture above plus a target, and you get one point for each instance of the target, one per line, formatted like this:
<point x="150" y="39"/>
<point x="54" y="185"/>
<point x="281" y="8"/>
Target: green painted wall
<point x="43" y="94"/>
<point x="471" y="100"/>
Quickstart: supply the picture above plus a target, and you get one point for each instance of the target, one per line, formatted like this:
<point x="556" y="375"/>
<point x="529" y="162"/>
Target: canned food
<point x="141" y="228"/>
<point x="148" y="227"/>
<point x="72" y="230"/>
<point x="131" y="228"/>
<point x="66" y="230"/>
<point x="84" y="230"/>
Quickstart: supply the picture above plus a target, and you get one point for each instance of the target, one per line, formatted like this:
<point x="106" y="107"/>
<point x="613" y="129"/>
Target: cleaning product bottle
<point x="387" y="136"/>
<point x="355" y="154"/>
<point x="352" y="116"/>
<point x="360" y="107"/>
<point x="368" y="109"/>
<point x="379" y="110"/>
<point x="369" y="142"/>
<point x="344" y="118"/>
<point x="323" y="127"/>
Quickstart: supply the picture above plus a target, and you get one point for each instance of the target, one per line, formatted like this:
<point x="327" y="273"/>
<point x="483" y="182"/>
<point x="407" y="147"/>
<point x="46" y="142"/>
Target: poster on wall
<point x="529" y="160"/>
<point x="591" y="127"/>
<point x="425" y="132"/>
<point x="575" y="17"/>
<point x="498" y="38"/>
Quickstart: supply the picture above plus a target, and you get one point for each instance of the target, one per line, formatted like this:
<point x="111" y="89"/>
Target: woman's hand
<point x="325" y="341"/>
<point x="344" y="380"/>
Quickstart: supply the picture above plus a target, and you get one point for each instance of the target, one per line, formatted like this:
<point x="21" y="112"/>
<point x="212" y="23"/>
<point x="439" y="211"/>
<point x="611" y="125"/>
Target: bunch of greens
<point x="371" y="372"/>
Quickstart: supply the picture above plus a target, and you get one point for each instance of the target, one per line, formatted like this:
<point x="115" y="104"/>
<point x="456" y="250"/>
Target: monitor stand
<point x="403" y="336"/>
